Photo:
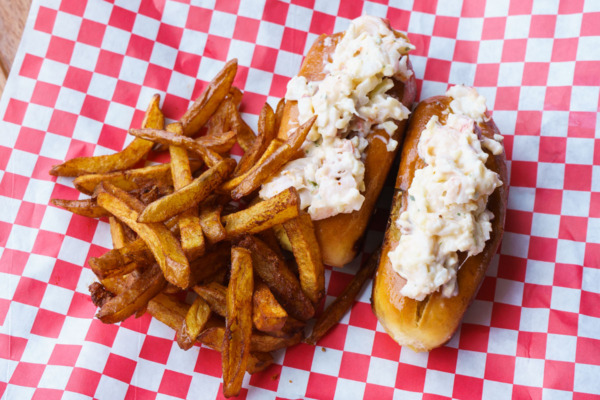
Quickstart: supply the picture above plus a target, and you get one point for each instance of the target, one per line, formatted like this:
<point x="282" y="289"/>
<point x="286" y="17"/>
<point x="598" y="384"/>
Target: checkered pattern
<point x="84" y="74"/>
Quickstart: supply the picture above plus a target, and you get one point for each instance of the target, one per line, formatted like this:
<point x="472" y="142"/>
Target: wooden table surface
<point x="13" y="14"/>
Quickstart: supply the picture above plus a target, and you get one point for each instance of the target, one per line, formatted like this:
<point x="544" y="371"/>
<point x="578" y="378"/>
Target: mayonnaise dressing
<point x="446" y="210"/>
<point x="348" y="103"/>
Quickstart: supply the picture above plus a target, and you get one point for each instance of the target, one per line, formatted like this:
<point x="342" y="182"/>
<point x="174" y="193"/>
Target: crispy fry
<point x="265" y="343"/>
<point x="134" y="152"/>
<point x="232" y="183"/>
<point x="210" y="220"/>
<point x="213" y="337"/>
<point x="120" y="261"/>
<point x="161" y="242"/>
<point x="258" y="145"/>
<point x="263" y="215"/>
<point x="279" y="114"/>
<point x="168" y="310"/>
<point x="215" y="296"/>
<point x="268" y="236"/>
<point x="258" y="362"/>
<point x="205" y="105"/>
<point x="192" y="239"/>
<point x="134" y="297"/>
<point x="211" y="263"/>
<point x="117" y="233"/>
<point x="307" y="253"/>
<point x="267" y="313"/>
<point x="238" y="321"/>
<point x="235" y="94"/>
<point x="194" y="322"/>
<point x="188" y="196"/>
<point x="131" y="179"/>
<point x="87" y="207"/>
<point x="344" y="302"/>
<point x="262" y="171"/>
<point x="219" y="143"/>
<point x="278" y="277"/>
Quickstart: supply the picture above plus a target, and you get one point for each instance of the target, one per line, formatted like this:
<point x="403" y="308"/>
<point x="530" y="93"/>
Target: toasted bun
<point x="340" y="236"/>
<point x="424" y="325"/>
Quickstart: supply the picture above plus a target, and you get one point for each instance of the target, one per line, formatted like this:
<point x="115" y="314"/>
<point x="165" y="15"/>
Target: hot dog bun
<point x="424" y="325"/>
<point x="340" y="236"/>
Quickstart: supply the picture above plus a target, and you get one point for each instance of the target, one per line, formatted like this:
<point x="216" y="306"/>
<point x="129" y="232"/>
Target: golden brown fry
<point x="232" y="183"/>
<point x="238" y="321"/>
<point x="215" y="296"/>
<point x="168" y="310"/>
<point x="279" y="114"/>
<point x="202" y="109"/>
<point x="261" y="172"/>
<point x="118" y="261"/>
<point x="235" y="94"/>
<point x="344" y="302"/>
<point x="130" y="155"/>
<point x="192" y="239"/>
<point x="267" y="313"/>
<point x="307" y="253"/>
<point x="258" y="145"/>
<point x="131" y="179"/>
<point x="188" y="196"/>
<point x="258" y="362"/>
<point x="210" y="220"/>
<point x="117" y="233"/>
<point x="213" y="337"/>
<point x="134" y="297"/>
<point x="278" y="277"/>
<point x="210" y="264"/>
<point x="268" y="236"/>
<point x="263" y="215"/>
<point x="244" y="134"/>
<point x="194" y="323"/>
<point x="87" y="207"/>
<point x="264" y="343"/>
<point x="161" y="242"/>
<point x="219" y="143"/>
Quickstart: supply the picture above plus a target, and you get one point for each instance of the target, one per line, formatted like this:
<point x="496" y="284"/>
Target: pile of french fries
<point x="178" y="228"/>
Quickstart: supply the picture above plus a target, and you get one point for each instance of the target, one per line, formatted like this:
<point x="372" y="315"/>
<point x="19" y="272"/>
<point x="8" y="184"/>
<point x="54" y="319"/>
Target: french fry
<point x="210" y="220"/>
<point x="211" y="263"/>
<point x="188" y="196"/>
<point x="219" y="143"/>
<point x="121" y="261"/>
<point x="235" y="94"/>
<point x="261" y="172"/>
<point x="87" y="207"/>
<point x="265" y="343"/>
<point x="232" y="183"/>
<point x="192" y="239"/>
<point x="258" y="145"/>
<point x="279" y="114"/>
<point x="263" y="215"/>
<point x="278" y="277"/>
<point x="258" y="362"/>
<point x="130" y="155"/>
<point x="131" y="179"/>
<point x="161" y="242"/>
<point x="213" y="337"/>
<point x="168" y="310"/>
<point x="205" y="105"/>
<point x="267" y="313"/>
<point x="215" y="296"/>
<point x="238" y="321"/>
<point x="244" y="134"/>
<point x="117" y="233"/>
<point x="307" y="253"/>
<point x="344" y="302"/>
<point x="192" y="325"/>
<point x="134" y="297"/>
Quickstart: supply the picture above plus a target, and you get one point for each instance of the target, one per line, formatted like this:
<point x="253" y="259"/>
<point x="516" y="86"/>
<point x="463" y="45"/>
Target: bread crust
<point x="424" y="325"/>
<point x="340" y="236"/>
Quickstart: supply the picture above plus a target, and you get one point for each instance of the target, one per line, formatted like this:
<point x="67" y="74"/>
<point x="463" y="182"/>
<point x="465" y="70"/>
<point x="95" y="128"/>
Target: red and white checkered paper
<point x="85" y="72"/>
